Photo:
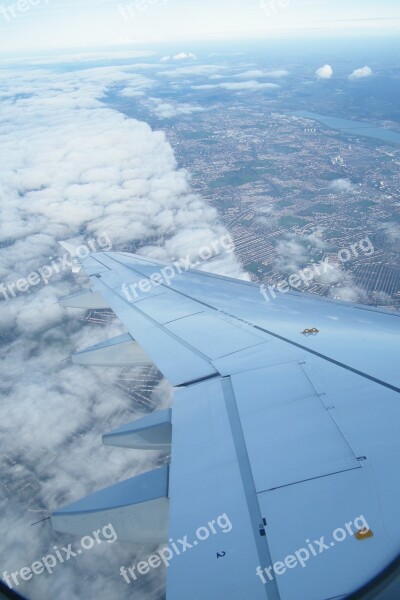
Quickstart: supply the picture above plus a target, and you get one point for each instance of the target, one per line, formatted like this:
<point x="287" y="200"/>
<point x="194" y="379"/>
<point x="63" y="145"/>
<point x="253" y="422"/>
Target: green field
<point x="290" y="221"/>
<point x="319" y="207"/>
<point x="235" y="178"/>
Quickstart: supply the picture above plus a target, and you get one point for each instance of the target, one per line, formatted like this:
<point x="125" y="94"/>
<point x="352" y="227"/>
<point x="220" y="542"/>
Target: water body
<point x="356" y="128"/>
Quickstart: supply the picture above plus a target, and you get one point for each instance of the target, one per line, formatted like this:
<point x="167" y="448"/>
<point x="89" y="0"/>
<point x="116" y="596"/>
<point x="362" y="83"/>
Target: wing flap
<point x="120" y="351"/>
<point x="137" y="508"/>
<point x="212" y="497"/>
<point x="282" y="416"/>
<point x="84" y="300"/>
<point x="153" y="432"/>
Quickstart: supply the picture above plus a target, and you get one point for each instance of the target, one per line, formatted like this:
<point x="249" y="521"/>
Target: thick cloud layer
<point x="74" y="167"/>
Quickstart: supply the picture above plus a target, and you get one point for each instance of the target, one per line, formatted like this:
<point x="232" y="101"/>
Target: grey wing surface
<point x="284" y="434"/>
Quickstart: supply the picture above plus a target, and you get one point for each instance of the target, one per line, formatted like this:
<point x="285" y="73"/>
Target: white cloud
<point x="137" y="86"/>
<point x="342" y="185"/>
<point x="179" y="56"/>
<point x="193" y="70"/>
<point x="277" y="73"/>
<point x="251" y="74"/>
<point x="340" y="281"/>
<point x="315" y="239"/>
<point x="361" y="73"/>
<point x="184" y="56"/>
<point x="167" y="110"/>
<point x="324" y="72"/>
<point x="78" y="57"/>
<point x="392" y="231"/>
<point x="349" y="293"/>
<point x="292" y="255"/>
<point x="238" y="86"/>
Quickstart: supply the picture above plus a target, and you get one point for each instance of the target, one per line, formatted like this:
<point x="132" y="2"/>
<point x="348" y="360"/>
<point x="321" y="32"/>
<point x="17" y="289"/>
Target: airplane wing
<point x="284" y="434"/>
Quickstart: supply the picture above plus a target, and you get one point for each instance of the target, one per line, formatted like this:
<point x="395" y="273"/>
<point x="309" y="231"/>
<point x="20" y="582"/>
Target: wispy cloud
<point x="193" y="70"/>
<point x="257" y="73"/>
<point x="238" y="86"/>
<point x="179" y="56"/>
<point x="167" y="110"/>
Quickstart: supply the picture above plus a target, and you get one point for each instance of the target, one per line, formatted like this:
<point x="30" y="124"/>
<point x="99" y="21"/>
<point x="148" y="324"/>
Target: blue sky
<point x="26" y="24"/>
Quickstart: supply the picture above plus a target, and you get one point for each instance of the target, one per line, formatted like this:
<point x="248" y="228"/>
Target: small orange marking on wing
<point x="363" y="534"/>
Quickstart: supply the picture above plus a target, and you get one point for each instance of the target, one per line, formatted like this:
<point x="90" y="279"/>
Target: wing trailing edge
<point x="153" y="432"/>
<point x="120" y="351"/>
<point x="87" y="299"/>
<point x="137" y="508"/>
